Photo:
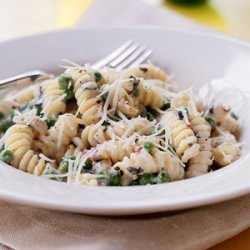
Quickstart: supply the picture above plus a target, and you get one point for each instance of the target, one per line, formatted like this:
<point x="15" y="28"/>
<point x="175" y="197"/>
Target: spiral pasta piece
<point x="123" y="96"/>
<point x="183" y="99"/>
<point x="27" y="94"/>
<point x="114" y="150"/>
<point x="199" y="164"/>
<point x="95" y="134"/>
<point x="6" y="105"/>
<point x="53" y="99"/>
<point x="184" y="139"/>
<point x="86" y="91"/>
<point x="151" y="164"/>
<point x="72" y="150"/>
<point x="149" y="96"/>
<point x="109" y="75"/>
<point x="148" y="71"/>
<point x="225" y="149"/>
<point x="59" y="137"/>
<point x="18" y="140"/>
<point x="225" y="119"/>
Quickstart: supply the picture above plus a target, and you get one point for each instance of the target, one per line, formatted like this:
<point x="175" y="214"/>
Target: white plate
<point x="193" y="58"/>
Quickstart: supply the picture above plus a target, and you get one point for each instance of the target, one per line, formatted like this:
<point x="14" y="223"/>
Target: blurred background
<point x="23" y="17"/>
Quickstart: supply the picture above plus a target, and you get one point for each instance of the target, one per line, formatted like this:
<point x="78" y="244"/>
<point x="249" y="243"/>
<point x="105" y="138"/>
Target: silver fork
<point x="128" y="54"/>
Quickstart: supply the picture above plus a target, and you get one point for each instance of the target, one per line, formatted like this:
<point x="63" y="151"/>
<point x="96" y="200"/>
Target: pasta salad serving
<point x="115" y="128"/>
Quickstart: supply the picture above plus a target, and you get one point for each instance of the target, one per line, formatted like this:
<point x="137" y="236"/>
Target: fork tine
<point x="124" y="55"/>
<point x="131" y="58"/>
<point x="112" y="56"/>
<point x="142" y="58"/>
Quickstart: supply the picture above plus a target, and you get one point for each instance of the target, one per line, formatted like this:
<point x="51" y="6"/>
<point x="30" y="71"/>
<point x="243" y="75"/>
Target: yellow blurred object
<point x="204" y="13"/>
<point x="69" y="12"/>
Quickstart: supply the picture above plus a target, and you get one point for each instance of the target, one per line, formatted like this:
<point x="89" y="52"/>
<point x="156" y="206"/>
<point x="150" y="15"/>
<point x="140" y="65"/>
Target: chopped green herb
<point x="64" y="81"/>
<point x="233" y="115"/>
<point x="38" y="109"/>
<point x="144" y="69"/>
<point x="156" y="130"/>
<point x="2" y="146"/>
<point x="146" y="178"/>
<point x="166" y="106"/>
<point x="162" y="177"/>
<point x="149" y="146"/>
<point x="69" y="94"/>
<point x="211" y="120"/>
<point x="134" y="183"/>
<point x="171" y="149"/>
<point x="135" y="91"/>
<point x="50" y="122"/>
<point x="115" y="180"/>
<point x="11" y="114"/>
<point x="149" y="116"/>
<point x="151" y="113"/>
<point x="1" y="116"/>
<point x="104" y="96"/>
<point x="88" y="166"/>
<point x="105" y="123"/>
<point x="180" y="115"/>
<point x="98" y="77"/>
<point x="22" y="107"/>
<point x="6" y="156"/>
<point x="135" y="170"/>
<point x="5" y="124"/>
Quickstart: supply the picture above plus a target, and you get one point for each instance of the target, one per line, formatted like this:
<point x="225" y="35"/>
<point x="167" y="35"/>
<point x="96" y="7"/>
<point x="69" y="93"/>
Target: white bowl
<point x="193" y="58"/>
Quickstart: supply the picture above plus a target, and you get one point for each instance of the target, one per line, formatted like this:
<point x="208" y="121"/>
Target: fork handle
<point x="22" y="78"/>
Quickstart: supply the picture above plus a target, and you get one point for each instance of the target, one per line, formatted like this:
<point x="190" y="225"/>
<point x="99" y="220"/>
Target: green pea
<point x="63" y="168"/>
<point x="50" y="122"/>
<point x="5" y="125"/>
<point x="101" y="171"/>
<point x="146" y="178"/>
<point x="88" y="166"/>
<point x="52" y="171"/>
<point x="162" y="177"/>
<point x="211" y="120"/>
<point x="2" y="146"/>
<point x="6" y="156"/>
<point x="115" y="180"/>
<point x="1" y="116"/>
<point x="64" y="81"/>
<point x="149" y="146"/>
<point x="70" y="157"/>
<point x="98" y="76"/>
<point x="166" y="106"/>
<point x="69" y="94"/>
